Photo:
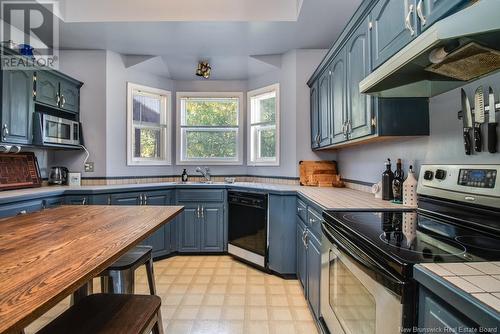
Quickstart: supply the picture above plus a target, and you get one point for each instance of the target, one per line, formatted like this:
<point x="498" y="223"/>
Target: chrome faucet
<point x="205" y="172"/>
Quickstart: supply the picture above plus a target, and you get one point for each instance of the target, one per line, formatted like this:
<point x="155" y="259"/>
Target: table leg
<point x="82" y="292"/>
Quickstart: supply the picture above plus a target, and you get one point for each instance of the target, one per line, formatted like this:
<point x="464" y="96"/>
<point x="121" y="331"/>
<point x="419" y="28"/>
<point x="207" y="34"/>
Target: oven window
<point x="351" y="302"/>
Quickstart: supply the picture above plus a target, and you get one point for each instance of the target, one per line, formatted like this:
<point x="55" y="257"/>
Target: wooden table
<point x="46" y="256"/>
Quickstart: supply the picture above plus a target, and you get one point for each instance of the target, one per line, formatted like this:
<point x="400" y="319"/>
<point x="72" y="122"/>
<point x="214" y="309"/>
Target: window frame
<point x="181" y="141"/>
<point x="254" y="93"/>
<point x="166" y="114"/>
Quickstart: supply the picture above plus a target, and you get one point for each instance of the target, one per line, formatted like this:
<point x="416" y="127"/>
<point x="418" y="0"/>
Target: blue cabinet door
<point x="17" y="107"/>
<point x="161" y="239"/>
<point x="389" y="32"/>
<point x="433" y="10"/>
<point x="47" y="89"/>
<point x="314" y="109"/>
<point x="212" y="228"/>
<point x="313" y="273"/>
<point x="338" y="97"/>
<point x="188" y="229"/>
<point x="13" y="209"/>
<point x="77" y="200"/>
<point x="134" y="198"/>
<point x="359" y="105"/>
<point x="70" y="96"/>
<point x="435" y="315"/>
<point x="301" y="254"/>
<point x="324" y="109"/>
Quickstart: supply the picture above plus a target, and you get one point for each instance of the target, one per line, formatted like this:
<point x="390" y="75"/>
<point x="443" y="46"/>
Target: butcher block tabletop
<point x="47" y="255"/>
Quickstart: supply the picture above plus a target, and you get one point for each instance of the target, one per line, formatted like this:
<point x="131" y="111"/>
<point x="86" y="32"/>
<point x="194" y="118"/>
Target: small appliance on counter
<point x="58" y="176"/>
<point x="367" y="257"/>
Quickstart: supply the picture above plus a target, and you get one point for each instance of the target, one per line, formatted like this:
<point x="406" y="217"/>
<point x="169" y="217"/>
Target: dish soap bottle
<point x="410" y="189"/>
<point x="387" y="178"/>
<point x="397" y="183"/>
<point x="184" y="176"/>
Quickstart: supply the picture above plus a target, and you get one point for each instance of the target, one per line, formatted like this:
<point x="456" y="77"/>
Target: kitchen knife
<point x="478" y="118"/>
<point x="492" y="124"/>
<point x="467" y="120"/>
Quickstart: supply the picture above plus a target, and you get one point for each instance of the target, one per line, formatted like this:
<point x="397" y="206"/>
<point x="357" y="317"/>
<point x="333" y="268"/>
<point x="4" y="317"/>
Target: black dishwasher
<point x="247" y="227"/>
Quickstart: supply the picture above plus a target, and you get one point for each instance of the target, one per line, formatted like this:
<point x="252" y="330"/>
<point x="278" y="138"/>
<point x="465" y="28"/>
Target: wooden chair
<point x="110" y="314"/>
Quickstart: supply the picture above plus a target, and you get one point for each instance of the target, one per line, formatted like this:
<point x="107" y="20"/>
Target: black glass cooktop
<point x="410" y="237"/>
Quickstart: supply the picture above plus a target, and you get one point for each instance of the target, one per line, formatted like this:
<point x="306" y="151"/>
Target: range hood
<point x="453" y="51"/>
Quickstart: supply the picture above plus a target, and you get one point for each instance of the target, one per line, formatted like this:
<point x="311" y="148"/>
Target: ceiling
<point x="227" y="45"/>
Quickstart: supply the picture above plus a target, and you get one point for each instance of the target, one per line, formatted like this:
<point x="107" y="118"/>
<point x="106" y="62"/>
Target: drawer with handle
<point x="302" y="210"/>
<point x="314" y="219"/>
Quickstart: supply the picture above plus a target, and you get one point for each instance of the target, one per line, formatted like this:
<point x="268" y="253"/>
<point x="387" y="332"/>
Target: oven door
<point x="353" y="299"/>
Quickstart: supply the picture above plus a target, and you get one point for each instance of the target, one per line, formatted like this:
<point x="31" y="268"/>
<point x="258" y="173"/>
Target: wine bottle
<point x="397" y="183"/>
<point x="387" y="178"/>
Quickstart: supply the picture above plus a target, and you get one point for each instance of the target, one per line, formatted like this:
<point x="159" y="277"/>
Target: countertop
<point x="325" y="198"/>
<point x="473" y="288"/>
<point x="49" y="254"/>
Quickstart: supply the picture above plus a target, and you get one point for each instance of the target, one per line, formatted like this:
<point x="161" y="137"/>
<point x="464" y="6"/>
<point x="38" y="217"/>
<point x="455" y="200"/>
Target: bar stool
<point x="120" y="276"/>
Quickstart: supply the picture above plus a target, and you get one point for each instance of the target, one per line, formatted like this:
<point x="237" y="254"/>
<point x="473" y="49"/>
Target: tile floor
<point x="217" y="294"/>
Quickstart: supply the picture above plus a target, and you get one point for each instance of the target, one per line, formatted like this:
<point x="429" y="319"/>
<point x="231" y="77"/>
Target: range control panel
<point x="475" y="184"/>
<point x="479" y="178"/>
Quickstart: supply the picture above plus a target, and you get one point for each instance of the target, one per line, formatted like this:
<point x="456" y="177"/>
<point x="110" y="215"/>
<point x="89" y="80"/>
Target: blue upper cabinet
<point x="17" y="107"/>
<point x="47" y="89"/>
<point x="338" y="97"/>
<point x="359" y="106"/>
<point x="56" y="90"/>
<point x="430" y="11"/>
<point x="393" y="25"/>
<point x="324" y="109"/>
<point x="70" y="96"/>
<point x="314" y="116"/>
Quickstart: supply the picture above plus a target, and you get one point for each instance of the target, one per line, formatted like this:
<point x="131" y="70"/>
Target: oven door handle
<point x="381" y="274"/>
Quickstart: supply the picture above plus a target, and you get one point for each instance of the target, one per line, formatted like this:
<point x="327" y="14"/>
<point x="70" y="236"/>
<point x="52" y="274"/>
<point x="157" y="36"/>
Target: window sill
<point x="209" y="163"/>
<point x="148" y="163"/>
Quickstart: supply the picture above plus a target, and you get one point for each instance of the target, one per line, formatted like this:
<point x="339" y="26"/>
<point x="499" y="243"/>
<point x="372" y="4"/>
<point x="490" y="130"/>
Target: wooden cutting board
<point x="19" y="170"/>
<point x="317" y="173"/>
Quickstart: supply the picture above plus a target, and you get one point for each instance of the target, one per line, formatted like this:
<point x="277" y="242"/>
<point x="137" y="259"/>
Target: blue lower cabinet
<point x="53" y="202"/>
<point x="301" y="254"/>
<point x="437" y="316"/>
<point x="212" y="228"/>
<point x="200" y="228"/>
<point x="77" y="200"/>
<point x="18" y="208"/>
<point x="309" y="256"/>
<point x="134" y="198"/>
<point x="313" y="272"/>
<point x="282" y="234"/>
<point x="188" y="237"/>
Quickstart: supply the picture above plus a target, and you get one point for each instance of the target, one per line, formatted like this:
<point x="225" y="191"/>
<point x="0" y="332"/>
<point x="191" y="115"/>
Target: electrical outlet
<point x="89" y="167"/>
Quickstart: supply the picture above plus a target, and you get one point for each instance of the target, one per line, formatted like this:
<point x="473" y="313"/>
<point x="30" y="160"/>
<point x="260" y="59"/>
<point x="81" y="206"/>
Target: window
<point x="209" y="128"/>
<point x="263" y="106"/>
<point x="148" y="118"/>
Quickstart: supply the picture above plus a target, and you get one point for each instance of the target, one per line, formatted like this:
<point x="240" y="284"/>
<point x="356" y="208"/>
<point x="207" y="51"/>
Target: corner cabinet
<point x="17" y="107"/>
<point x="340" y="115"/>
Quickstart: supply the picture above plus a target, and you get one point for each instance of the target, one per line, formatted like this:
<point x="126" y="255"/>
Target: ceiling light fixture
<point x="203" y="69"/>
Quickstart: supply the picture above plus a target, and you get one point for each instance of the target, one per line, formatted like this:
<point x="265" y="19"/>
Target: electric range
<point x="372" y="253"/>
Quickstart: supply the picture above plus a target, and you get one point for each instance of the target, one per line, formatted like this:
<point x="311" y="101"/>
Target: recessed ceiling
<point x="175" y="10"/>
<point x="228" y="45"/>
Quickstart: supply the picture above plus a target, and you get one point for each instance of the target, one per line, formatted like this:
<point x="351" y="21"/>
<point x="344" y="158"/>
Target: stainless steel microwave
<point x="50" y="129"/>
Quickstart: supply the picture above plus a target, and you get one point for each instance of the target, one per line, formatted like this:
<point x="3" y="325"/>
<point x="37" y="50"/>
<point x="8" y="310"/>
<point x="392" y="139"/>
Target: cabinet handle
<point x="58" y="99"/>
<point x="63" y="100"/>
<point x="198" y="212"/>
<point x="349" y="127"/>
<point x="22" y="212"/>
<point x="299" y="209"/>
<point x="203" y="212"/>
<point x="141" y="200"/>
<point x="84" y="201"/>
<point x="5" y="131"/>
<point x="420" y="12"/>
<point x="407" y="21"/>
<point x="344" y="129"/>
<point x="145" y="199"/>
<point x="109" y="200"/>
